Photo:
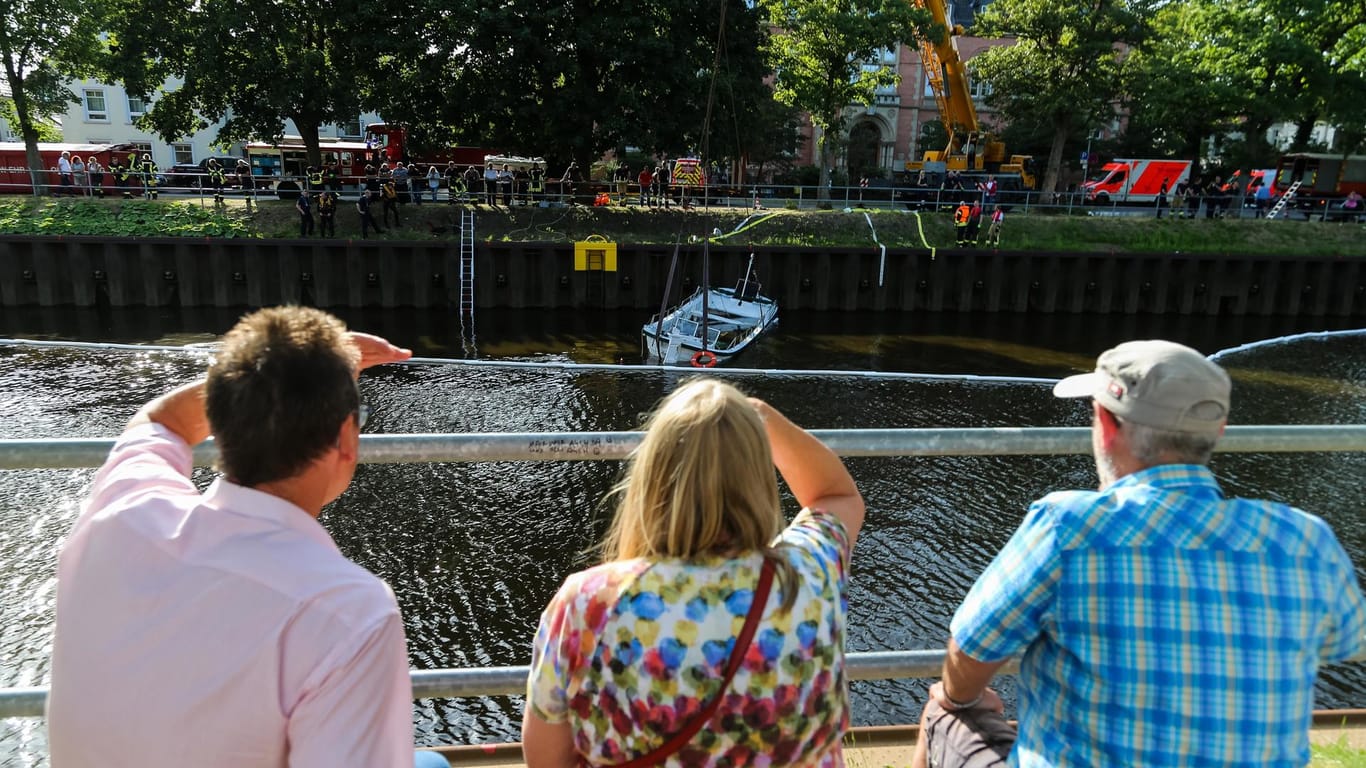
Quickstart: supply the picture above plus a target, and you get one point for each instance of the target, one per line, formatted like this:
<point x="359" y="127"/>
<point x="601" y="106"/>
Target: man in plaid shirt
<point x="1161" y="623"/>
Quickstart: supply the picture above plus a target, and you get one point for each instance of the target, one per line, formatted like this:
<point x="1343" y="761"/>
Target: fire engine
<point x="1320" y="181"/>
<point x="14" y="172"/>
<point x="391" y="141"/>
<point x="1135" y="181"/>
<point x="284" y="166"/>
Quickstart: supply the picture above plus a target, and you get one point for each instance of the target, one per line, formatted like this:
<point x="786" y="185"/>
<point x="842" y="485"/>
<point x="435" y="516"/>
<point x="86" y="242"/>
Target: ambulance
<point x="1135" y="181"/>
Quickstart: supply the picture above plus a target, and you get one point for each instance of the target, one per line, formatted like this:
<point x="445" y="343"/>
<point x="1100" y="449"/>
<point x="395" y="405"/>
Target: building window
<point x="136" y="107"/>
<point x="350" y="130"/>
<point x="183" y="154"/>
<point x="95" y="109"/>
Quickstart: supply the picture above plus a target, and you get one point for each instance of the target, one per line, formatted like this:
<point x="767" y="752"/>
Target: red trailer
<point x="15" y="176"/>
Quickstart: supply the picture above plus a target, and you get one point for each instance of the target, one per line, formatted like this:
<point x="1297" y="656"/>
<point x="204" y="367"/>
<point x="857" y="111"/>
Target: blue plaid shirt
<point x="1163" y="624"/>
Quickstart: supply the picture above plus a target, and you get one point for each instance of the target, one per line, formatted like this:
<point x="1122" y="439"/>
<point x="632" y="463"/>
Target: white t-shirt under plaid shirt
<point x="1163" y="624"/>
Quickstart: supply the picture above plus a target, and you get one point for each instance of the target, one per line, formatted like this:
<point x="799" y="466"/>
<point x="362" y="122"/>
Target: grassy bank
<point x="901" y="229"/>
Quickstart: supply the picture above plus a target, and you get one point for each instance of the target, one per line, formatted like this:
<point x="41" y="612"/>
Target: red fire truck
<point x="391" y="139"/>
<point x="14" y="171"/>
<point x="284" y="166"/>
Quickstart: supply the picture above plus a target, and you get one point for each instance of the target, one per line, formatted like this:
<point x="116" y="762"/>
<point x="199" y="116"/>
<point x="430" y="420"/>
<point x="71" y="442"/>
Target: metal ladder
<point x="1280" y="204"/>
<point x="467" y="282"/>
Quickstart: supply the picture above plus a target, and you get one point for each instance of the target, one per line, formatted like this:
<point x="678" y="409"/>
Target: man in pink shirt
<point x="224" y="628"/>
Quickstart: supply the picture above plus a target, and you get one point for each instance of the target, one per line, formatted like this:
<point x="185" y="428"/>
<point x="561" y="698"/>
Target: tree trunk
<point x="1062" y="125"/>
<point x="37" y="173"/>
<point x="308" y="131"/>
<point x="826" y="157"/>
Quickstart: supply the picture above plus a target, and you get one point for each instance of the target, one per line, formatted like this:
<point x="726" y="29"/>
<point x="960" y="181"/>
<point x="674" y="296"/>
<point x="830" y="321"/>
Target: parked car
<point x="196" y="175"/>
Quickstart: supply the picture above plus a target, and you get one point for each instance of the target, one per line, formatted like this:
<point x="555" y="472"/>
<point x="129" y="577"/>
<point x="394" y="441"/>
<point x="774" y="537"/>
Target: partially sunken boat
<point x="712" y="325"/>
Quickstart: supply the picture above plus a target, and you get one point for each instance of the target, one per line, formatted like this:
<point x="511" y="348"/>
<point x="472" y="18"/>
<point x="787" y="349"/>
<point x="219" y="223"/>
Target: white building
<point x="105" y="114"/>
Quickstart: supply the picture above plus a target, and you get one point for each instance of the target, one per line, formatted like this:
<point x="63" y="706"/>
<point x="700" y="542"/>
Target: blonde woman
<point x="665" y="654"/>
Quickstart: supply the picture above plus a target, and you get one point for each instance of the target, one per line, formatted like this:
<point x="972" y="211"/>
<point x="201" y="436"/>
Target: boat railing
<point x="20" y="454"/>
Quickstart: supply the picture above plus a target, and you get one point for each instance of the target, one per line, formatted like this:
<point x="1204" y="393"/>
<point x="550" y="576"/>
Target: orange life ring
<point x="703" y="359"/>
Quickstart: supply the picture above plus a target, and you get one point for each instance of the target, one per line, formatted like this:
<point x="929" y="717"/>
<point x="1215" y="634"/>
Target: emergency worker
<point x="331" y="176"/>
<point x="304" y="206"/>
<point x="974" y="222"/>
<point x="216" y="180"/>
<point x="247" y="182"/>
<point x="314" y="179"/>
<point x="367" y="219"/>
<point x="536" y="183"/>
<point x="961" y="216"/>
<point x="454" y="183"/>
<point x="149" y="176"/>
<point x="327" y="213"/>
<point x="389" y="192"/>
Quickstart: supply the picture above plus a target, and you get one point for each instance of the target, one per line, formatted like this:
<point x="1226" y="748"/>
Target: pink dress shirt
<point x="222" y="629"/>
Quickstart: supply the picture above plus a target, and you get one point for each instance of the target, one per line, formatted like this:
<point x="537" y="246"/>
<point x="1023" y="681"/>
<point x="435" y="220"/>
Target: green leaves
<point x="825" y="56"/>
<point x="135" y="218"/>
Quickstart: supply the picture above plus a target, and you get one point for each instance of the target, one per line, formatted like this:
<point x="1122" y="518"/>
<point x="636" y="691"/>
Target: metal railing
<point x="598" y="446"/>
<point x="877" y="196"/>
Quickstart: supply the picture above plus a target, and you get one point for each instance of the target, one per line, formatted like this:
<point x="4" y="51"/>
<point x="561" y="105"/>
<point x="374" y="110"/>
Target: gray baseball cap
<point x="1158" y="384"/>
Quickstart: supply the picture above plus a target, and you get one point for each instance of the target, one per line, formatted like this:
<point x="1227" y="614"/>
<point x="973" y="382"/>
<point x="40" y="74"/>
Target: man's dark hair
<point x="278" y="391"/>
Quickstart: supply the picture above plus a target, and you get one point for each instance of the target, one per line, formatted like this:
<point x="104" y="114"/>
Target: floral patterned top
<point x="627" y="652"/>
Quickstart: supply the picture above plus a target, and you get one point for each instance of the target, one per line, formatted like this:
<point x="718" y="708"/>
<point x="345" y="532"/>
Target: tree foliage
<point x="41" y="43"/>
<point x="821" y="53"/>
<point x="1066" y="68"/>
<point x="251" y="63"/>
<point x="571" y="79"/>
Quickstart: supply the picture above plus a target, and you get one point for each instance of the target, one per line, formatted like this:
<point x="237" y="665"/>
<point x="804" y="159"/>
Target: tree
<point x="41" y="43"/>
<point x="571" y="79"/>
<point x="251" y="63"/>
<point x="1066" y="67"/>
<point x="826" y="56"/>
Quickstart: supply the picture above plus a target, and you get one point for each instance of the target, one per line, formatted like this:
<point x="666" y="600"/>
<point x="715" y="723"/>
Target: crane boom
<point x="969" y="147"/>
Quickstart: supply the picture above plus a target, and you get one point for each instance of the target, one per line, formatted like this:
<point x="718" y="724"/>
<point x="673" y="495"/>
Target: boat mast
<point x="744" y="283"/>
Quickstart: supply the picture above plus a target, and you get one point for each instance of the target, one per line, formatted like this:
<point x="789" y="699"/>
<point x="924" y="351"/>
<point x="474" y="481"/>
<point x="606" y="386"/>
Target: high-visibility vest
<point x="316" y="178"/>
<point x="962" y="214"/>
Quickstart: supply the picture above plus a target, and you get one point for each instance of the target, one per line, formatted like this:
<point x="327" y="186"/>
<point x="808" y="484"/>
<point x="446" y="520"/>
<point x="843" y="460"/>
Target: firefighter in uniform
<point x="389" y="193"/>
<point x="314" y="180"/>
<point x="455" y="183"/>
<point x="331" y="176"/>
<point x="149" y="176"/>
<point x="961" y="216"/>
<point x="216" y="180"/>
<point x="535" y="183"/>
<point x="327" y="214"/>
<point x="246" y="182"/>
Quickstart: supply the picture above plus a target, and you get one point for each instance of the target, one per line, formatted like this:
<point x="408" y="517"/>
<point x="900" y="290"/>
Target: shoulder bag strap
<point x="737" y="656"/>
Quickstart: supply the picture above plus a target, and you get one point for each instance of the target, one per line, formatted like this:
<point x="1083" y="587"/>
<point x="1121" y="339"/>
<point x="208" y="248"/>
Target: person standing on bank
<point x="365" y="207"/>
<point x="677" y="631"/>
<point x="327" y="214"/>
<point x="1162" y="622"/>
<point x="224" y="628"/>
<point x="305" y="214"/>
<point x="1161" y="201"/>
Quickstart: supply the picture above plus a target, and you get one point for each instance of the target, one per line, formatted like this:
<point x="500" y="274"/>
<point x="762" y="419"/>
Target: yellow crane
<point x="970" y="148"/>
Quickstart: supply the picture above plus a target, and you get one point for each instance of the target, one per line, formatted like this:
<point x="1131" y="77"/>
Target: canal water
<point x="474" y="550"/>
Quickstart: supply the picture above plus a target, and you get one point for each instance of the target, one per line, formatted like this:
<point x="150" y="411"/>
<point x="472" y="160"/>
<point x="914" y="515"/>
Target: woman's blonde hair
<point x="701" y="482"/>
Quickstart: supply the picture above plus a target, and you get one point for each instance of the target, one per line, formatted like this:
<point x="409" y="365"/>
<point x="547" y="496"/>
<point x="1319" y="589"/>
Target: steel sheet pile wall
<point x="88" y="271"/>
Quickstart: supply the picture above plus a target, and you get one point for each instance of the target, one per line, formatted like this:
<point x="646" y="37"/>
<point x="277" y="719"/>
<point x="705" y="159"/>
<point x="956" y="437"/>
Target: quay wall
<point x="185" y="272"/>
